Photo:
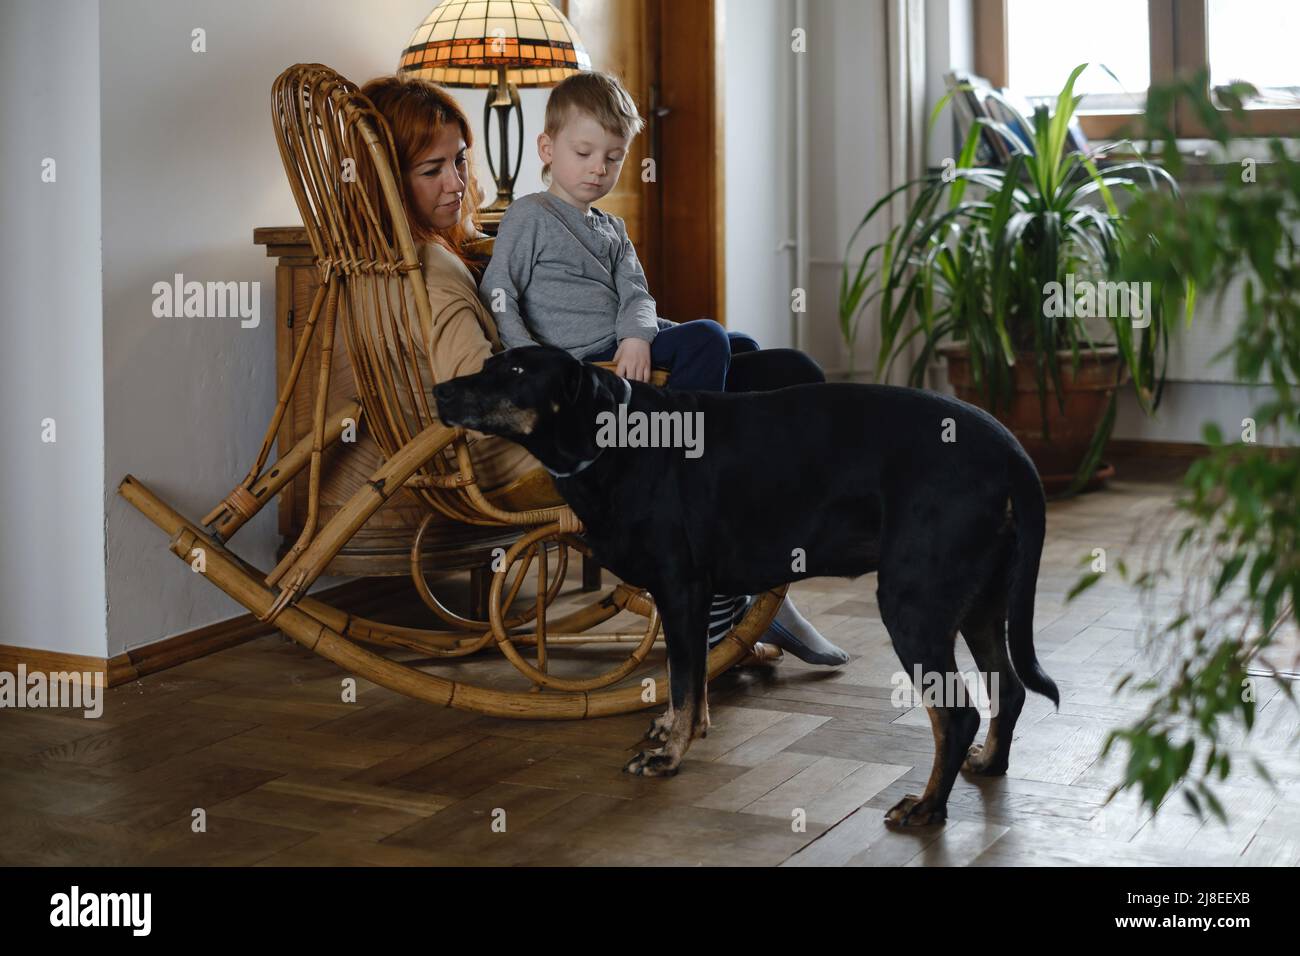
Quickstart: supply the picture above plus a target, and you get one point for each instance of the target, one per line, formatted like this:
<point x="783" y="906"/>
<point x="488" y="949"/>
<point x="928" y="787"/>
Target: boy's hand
<point x="632" y="360"/>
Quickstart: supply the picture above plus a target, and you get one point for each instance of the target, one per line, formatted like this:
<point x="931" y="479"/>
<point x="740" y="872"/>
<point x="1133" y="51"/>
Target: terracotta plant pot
<point x="1087" y="393"/>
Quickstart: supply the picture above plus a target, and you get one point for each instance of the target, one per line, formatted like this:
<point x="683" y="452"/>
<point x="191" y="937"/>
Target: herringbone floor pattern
<point x="286" y="773"/>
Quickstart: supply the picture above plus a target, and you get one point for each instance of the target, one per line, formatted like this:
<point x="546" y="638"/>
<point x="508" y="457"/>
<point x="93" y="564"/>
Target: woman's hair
<point x="598" y="95"/>
<point x="417" y="110"/>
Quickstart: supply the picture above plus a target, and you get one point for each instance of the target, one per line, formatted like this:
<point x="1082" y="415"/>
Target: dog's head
<point x="538" y="396"/>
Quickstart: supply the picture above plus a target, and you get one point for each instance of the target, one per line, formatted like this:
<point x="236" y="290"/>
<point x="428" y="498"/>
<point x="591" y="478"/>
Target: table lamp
<point x="502" y="45"/>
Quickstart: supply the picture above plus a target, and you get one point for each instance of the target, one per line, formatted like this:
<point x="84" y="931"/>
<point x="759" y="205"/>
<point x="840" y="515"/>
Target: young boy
<point x="564" y="273"/>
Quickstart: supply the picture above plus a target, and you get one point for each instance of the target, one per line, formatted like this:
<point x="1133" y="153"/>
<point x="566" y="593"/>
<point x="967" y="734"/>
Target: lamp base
<point x="489" y="216"/>
<point x="503" y="99"/>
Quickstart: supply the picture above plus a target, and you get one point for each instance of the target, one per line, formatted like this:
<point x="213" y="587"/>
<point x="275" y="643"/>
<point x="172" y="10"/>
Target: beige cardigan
<point x="460" y="340"/>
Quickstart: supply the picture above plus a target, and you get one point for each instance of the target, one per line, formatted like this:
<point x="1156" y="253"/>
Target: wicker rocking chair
<point x="369" y="265"/>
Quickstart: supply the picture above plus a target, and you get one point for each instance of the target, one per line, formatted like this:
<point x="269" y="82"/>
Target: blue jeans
<point x="697" y="354"/>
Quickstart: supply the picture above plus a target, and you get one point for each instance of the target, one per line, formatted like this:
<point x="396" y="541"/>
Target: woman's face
<point x="436" y="179"/>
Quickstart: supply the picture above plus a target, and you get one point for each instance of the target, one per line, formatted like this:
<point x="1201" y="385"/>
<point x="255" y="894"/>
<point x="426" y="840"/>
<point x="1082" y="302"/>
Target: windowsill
<point x="1206" y="161"/>
<point x="1207" y="152"/>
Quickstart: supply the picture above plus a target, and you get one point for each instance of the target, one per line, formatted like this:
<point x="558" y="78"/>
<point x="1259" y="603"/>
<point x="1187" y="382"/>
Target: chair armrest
<point x="658" y="376"/>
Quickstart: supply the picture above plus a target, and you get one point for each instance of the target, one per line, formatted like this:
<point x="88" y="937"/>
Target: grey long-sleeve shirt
<point x="561" y="277"/>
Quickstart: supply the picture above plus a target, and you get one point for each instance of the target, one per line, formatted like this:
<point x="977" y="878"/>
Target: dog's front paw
<point x="660" y="726"/>
<point x="985" y="761"/>
<point x="912" y="811"/>
<point x="653" y="763"/>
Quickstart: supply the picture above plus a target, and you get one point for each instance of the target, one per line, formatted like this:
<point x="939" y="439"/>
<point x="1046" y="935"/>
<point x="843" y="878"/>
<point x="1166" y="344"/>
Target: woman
<point x="433" y="139"/>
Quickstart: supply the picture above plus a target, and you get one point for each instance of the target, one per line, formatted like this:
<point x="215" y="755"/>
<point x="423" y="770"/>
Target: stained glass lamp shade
<point x="464" y="42"/>
<point x="504" y="45"/>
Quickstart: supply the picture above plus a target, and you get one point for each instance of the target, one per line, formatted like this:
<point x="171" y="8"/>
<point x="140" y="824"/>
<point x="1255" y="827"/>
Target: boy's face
<point x="585" y="159"/>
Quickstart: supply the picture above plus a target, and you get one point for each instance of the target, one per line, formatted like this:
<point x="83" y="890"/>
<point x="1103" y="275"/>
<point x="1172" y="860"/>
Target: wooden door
<point x="668" y="55"/>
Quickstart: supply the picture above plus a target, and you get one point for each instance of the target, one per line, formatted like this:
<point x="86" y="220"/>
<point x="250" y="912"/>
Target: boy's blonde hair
<point x="598" y="95"/>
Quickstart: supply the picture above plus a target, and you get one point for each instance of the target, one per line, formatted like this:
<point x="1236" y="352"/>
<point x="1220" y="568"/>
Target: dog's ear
<point x="575" y="374"/>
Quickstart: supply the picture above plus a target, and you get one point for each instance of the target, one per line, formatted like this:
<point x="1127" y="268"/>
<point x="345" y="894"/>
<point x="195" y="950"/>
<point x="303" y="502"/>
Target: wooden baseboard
<point x="1141" y="448"/>
<point x="49" y="661"/>
<point x="352" y="596"/>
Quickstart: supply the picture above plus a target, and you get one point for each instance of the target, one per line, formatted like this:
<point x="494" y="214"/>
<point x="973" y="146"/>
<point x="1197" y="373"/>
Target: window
<point x="1040" y="54"/>
<point x="1031" y="46"/>
<point x="1255" y="41"/>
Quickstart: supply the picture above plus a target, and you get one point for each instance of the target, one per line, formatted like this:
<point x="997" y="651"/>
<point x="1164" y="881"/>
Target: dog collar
<point x="584" y="465"/>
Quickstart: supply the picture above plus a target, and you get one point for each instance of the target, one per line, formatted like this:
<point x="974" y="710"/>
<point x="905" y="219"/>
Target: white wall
<point x="949" y="45"/>
<point x="849" y="157"/>
<point x="51" y="495"/>
<point x="1200" y="387"/>
<point x="758" y="151"/>
<point x="190" y="167"/>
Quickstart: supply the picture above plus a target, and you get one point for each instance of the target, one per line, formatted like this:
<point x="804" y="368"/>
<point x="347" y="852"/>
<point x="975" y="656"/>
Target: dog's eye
<point x="517" y="370"/>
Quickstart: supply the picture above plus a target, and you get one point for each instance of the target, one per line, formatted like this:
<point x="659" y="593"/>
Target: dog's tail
<point x="1030" y="511"/>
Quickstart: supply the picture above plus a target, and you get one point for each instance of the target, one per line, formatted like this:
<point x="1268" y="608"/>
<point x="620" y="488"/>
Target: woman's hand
<point x="632" y="360"/>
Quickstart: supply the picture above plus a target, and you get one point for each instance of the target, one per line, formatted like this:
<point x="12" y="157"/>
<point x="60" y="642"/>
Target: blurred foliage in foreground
<point x="1240" y="527"/>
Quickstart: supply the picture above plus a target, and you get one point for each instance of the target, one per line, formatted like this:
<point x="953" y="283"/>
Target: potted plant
<point x="1013" y="275"/>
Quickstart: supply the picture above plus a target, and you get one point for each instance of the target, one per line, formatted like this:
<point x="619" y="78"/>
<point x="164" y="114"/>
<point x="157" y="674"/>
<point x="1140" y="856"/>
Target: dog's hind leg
<point x="985" y="631"/>
<point x="685" y="612"/>
<point x="954" y="726"/>
<point x="917" y="619"/>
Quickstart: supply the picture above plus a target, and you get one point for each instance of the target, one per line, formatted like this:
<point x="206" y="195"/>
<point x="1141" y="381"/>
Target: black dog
<point x="832" y="479"/>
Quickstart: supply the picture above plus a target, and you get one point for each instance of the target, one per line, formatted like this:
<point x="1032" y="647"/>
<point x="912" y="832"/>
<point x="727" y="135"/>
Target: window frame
<point x="1179" y="47"/>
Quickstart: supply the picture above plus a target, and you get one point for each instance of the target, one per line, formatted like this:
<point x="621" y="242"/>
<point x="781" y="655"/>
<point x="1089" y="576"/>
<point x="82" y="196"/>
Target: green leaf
<point x="1213" y="802"/>
<point x="1087" y="581"/>
<point x="1231" y="568"/>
